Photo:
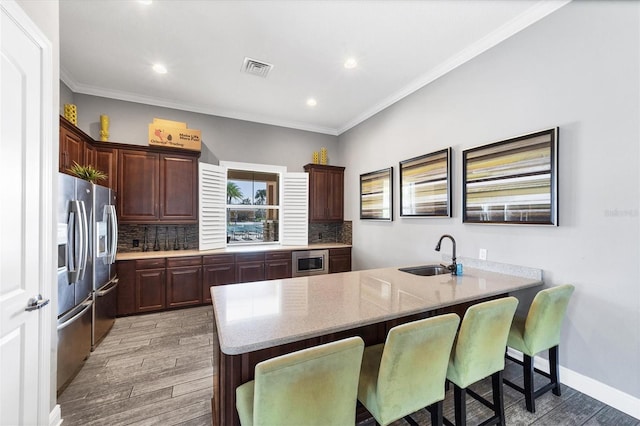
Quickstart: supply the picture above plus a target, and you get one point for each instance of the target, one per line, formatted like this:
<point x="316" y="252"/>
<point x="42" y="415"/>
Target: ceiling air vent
<point x="254" y="67"/>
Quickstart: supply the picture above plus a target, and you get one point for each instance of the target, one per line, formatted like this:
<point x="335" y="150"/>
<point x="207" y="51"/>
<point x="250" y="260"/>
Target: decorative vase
<point x="104" y="128"/>
<point x="316" y="157"/>
<point x="323" y="155"/>
<point x="71" y="113"/>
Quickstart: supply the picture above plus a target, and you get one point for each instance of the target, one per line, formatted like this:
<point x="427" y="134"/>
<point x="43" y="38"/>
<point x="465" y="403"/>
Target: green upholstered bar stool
<point x="408" y="371"/>
<point x="479" y="353"/>
<point x="314" y="386"/>
<point x="538" y="332"/>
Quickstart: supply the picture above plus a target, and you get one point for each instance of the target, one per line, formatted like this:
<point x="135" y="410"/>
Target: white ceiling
<point x="107" y="49"/>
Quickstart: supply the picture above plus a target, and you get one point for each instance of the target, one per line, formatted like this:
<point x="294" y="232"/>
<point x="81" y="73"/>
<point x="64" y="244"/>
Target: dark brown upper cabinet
<point x="326" y="193"/>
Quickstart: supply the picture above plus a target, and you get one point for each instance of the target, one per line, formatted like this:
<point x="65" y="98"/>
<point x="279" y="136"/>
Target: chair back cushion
<point x="413" y="367"/>
<point x="315" y="386"/>
<point x="544" y="320"/>
<point x="481" y="342"/>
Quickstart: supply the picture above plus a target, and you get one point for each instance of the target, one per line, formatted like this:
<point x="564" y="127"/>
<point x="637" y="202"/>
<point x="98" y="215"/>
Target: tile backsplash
<point x="166" y="239"/>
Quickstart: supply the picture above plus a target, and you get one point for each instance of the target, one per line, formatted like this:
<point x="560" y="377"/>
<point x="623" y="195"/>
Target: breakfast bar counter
<point x="259" y="320"/>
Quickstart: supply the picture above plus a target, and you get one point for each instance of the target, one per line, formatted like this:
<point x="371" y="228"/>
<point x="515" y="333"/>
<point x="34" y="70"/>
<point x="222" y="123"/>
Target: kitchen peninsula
<point x="260" y="320"/>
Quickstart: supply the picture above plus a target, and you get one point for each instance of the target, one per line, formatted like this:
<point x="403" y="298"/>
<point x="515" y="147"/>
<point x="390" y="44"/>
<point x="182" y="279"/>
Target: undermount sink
<point x="426" y="270"/>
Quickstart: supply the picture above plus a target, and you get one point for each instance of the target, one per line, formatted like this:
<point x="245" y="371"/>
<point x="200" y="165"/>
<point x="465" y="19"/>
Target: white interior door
<point x="25" y="246"/>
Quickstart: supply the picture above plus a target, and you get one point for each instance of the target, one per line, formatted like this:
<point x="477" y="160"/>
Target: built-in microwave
<point x="310" y="262"/>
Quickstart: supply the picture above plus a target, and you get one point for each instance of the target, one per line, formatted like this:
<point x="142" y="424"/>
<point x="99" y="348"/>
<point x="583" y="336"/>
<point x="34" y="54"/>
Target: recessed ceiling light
<point x="160" y="69"/>
<point x="350" y="63"/>
<point x="145" y="2"/>
<point x="312" y="102"/>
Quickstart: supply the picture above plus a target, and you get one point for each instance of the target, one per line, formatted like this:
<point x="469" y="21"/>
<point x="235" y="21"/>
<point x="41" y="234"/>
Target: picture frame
<point x="425" y="185"/>
<point x="376" y="195"/>
<point x="514" y="181"/>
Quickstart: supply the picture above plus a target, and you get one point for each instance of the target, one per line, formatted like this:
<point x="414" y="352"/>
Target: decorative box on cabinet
<point x="217" y="269"/>
<point x="184" y="278"/>
<point x="326" y="193"/>
<point x="277" y="265"/>
<point x="339" y="260"/>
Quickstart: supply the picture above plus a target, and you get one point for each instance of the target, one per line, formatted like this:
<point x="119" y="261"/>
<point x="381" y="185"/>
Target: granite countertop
<point x="263" y="314"/>
<point x="231" y="249"/>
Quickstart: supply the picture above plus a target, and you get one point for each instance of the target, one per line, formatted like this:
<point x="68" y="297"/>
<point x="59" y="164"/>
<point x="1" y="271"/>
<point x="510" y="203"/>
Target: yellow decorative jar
<point x="71" y="113"/>
<point x="323" y="155"/>
<point x="104" y="128"/>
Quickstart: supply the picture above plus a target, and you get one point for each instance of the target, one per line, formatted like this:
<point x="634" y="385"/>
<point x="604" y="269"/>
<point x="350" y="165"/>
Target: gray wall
<point x="66" y="96"/>
<point x="577" y="69"/>
<point x="44" y="14"/>
<point x="222" y="138"/>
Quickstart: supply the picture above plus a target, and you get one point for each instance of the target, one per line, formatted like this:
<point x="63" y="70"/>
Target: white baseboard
<point x="55" y="416"/>
<point x="588" y="386"/>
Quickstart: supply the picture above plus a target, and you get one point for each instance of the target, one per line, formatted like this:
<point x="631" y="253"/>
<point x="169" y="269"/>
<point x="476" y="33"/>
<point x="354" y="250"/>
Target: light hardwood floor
<point x="157" y="369"/>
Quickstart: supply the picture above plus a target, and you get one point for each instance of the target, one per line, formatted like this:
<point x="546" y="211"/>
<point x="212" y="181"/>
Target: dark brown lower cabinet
<point x="126" y="287"/>
<point x="249" y="267"/>
<point x="217" y="269"/>
<point x="150" y="290"/>
<point x="339" y="260"/>
<point x="277" y="265"/>
<point x="184" y="277"/>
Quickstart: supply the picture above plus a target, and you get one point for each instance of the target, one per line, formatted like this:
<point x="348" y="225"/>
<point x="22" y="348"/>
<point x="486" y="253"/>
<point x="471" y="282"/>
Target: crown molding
<point x="524" y="20"/>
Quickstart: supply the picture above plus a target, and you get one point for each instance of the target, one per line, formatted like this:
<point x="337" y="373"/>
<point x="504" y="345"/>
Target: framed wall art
<point x="513" y="181"/>
<point x="376" y="195"/>
<point x="425" y="185"/>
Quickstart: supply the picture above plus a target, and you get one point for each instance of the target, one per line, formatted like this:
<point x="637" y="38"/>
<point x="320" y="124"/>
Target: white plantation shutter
<point x="213" y="202"/>
<point x="294" y="209"/>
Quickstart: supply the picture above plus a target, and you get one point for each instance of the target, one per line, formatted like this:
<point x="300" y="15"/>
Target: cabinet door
<point x="90" y="156"/>
<point x="138" y="192"/>
<point x="178" y="188"/>
<point x="217" y="274"/>
<point x="71" y="149"/>
<point x="339" y="260"/>
<point x="318" y="187"/>
<point x="126" y="287"/>
<point x="150" y="290"/>
<point x="277" y="269"/>
<point x="107" y="162"/>
<point x="335" y="196"/>
<point x="326" y="193"/>
<point x="184" y="286"/>
<point x="250" y="271"/>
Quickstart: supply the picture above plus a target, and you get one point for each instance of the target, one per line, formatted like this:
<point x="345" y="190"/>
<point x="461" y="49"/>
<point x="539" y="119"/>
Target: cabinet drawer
<point x="250" y="257"/>
<point x="278" y="255"/>
<point x="340" y="251"/>
<point x="150" y="263"/>
<point x="173" y="262"/>
<point x="218" y="259"/>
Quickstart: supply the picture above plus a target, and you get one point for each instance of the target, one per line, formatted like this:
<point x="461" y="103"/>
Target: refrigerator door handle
<point x="84" y="239"/>
<point x="86" y="306"/>
<point x="108" y="290"/>
<point x="114" y="234"/>
<point x="74" y="251"/>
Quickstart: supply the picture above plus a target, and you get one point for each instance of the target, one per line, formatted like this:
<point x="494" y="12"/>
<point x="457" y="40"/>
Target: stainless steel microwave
<point x="310" y="262"/>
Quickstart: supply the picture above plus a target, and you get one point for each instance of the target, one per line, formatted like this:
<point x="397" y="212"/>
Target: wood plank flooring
<point x="157" y="369"/>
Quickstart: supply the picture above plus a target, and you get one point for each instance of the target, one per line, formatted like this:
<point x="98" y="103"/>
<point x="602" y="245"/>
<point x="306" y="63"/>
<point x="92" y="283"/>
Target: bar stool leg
<point x="498" y="397"/>
<point x="436" y="413"/>
<point x="553" y="368"/>
<point x="529" y="391"/>
<point x="460" y="403"/>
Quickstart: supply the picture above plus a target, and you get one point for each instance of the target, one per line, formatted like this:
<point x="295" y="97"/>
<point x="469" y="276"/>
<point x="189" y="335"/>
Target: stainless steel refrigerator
<point x="87" y="241"/>
<point x="105" y="281"/>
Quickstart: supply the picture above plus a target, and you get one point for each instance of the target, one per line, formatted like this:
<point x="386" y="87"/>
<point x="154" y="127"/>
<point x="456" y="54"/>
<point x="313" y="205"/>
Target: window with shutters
<point x="262" y="204"/>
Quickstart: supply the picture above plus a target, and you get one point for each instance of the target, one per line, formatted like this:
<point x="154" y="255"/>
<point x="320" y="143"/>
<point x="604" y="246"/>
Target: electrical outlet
<point x="482" y="255"/>
<point x="136" y="243"/>
<point x="319" y="235"/>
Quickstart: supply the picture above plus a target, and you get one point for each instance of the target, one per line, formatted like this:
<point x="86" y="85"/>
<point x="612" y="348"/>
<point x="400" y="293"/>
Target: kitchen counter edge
<point x="236" y="249"/>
